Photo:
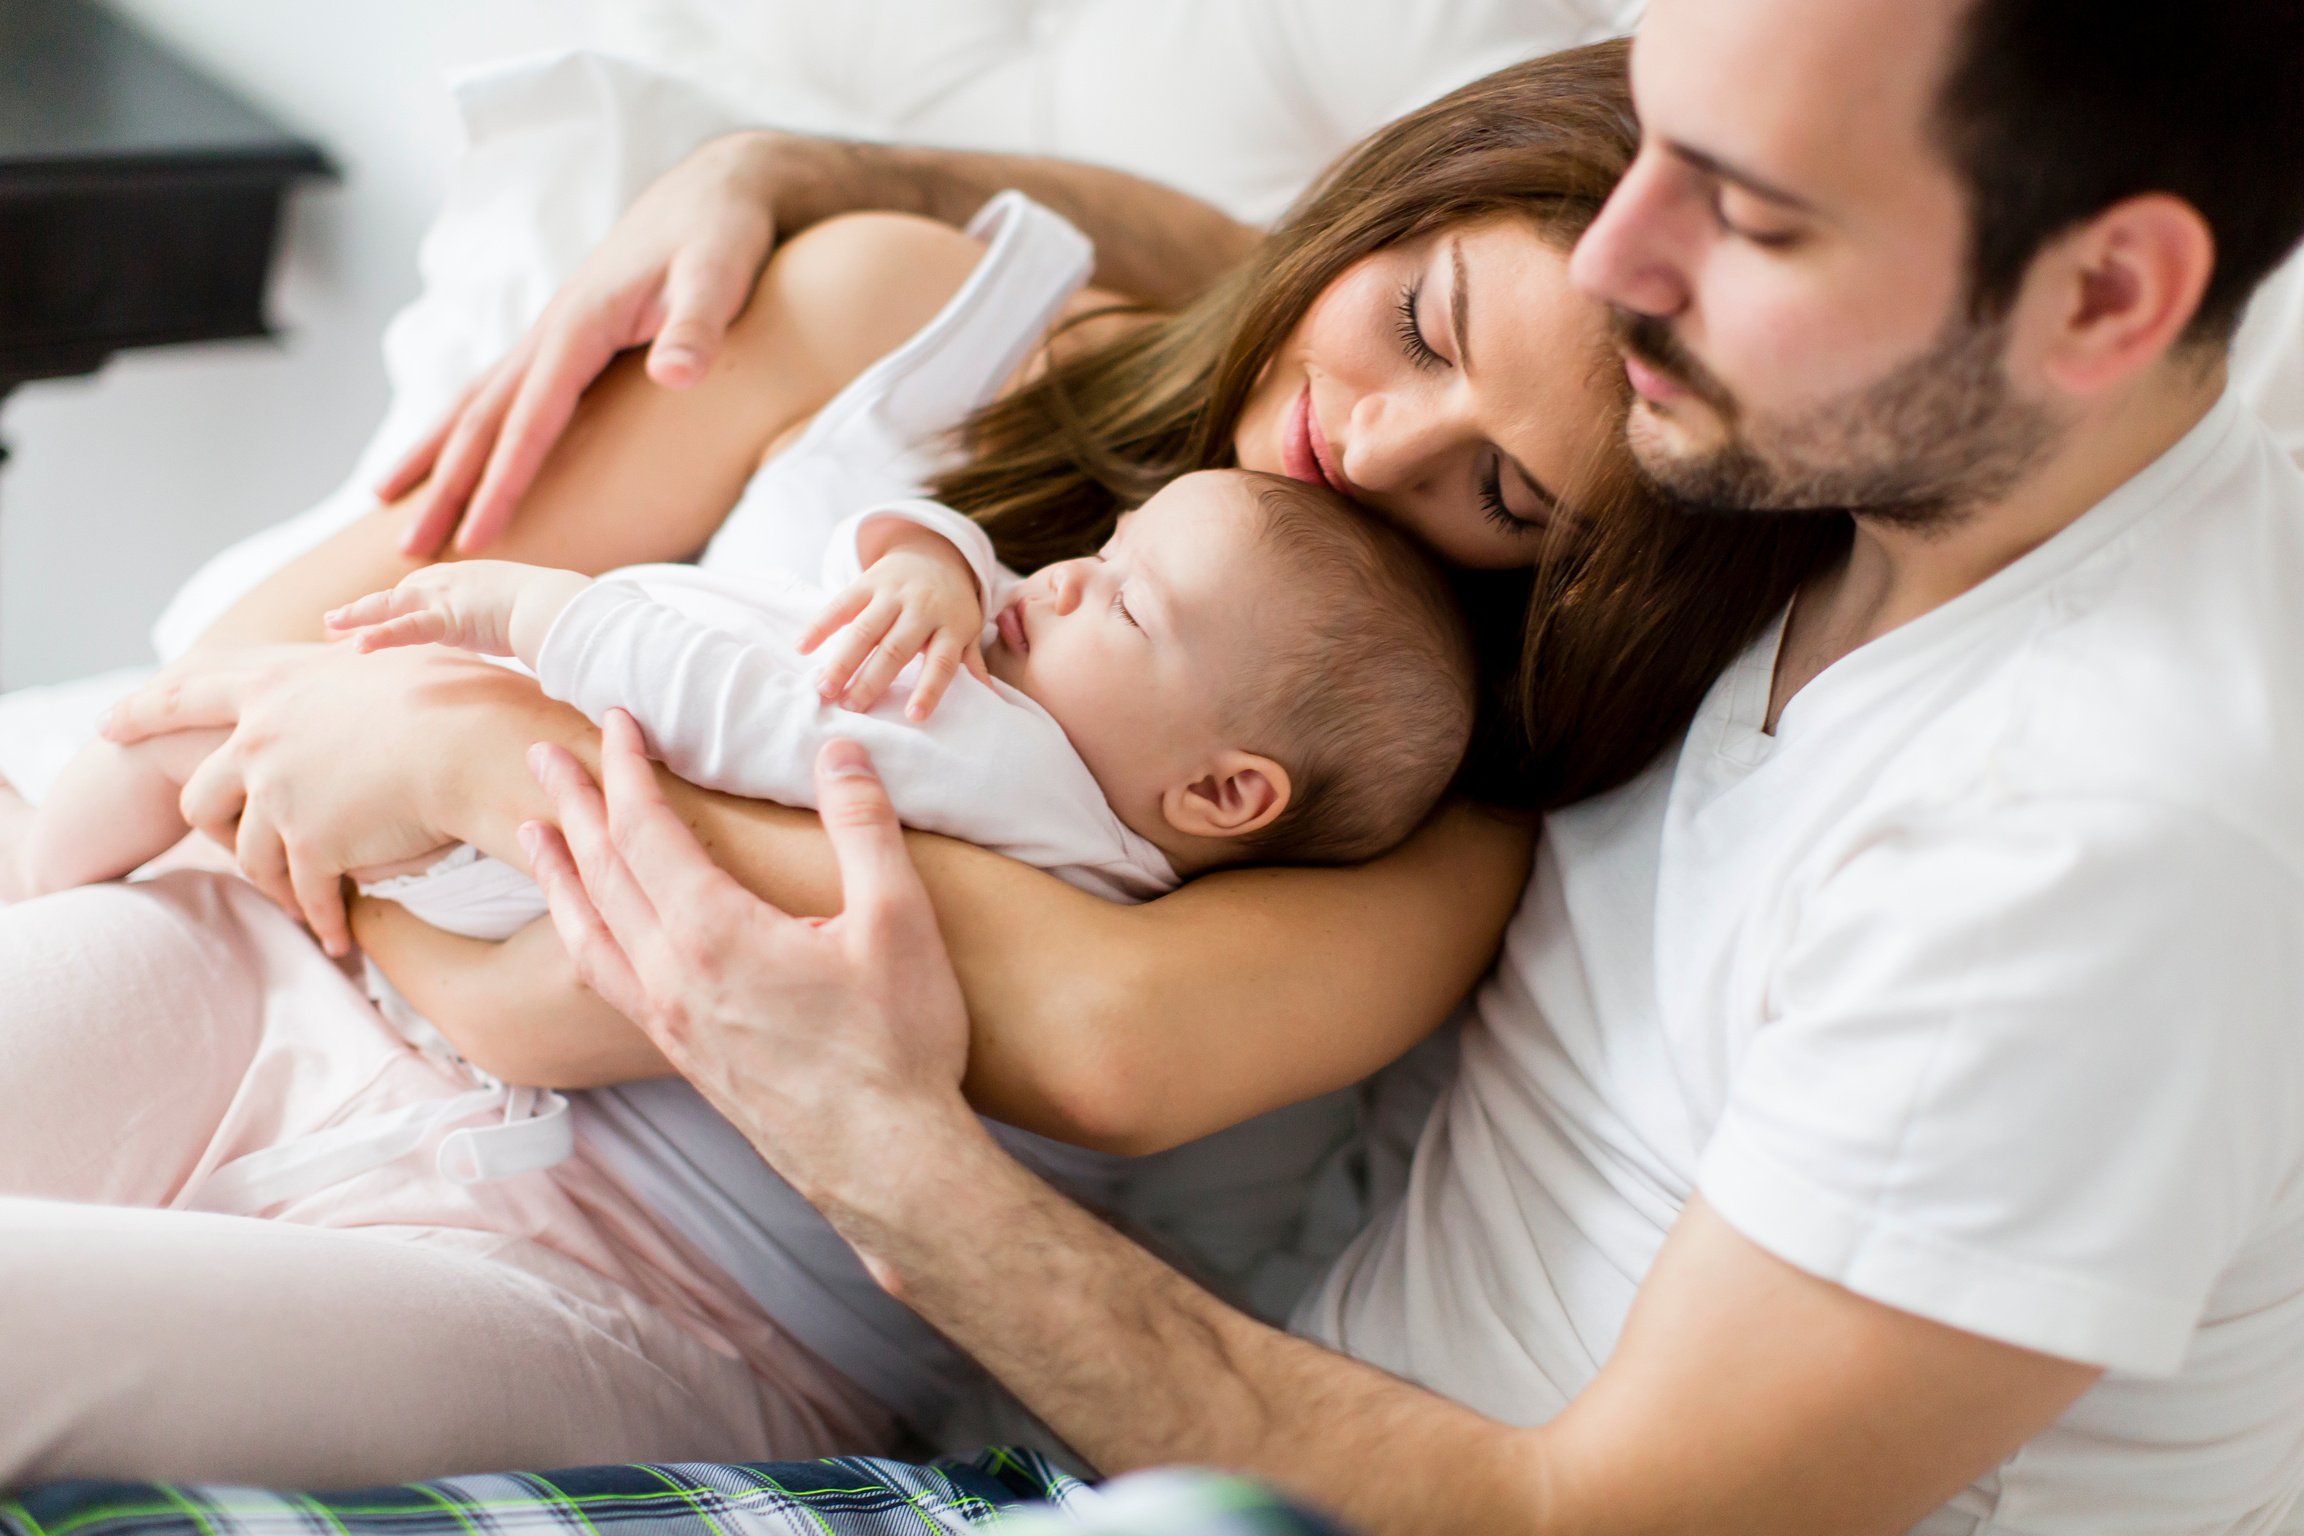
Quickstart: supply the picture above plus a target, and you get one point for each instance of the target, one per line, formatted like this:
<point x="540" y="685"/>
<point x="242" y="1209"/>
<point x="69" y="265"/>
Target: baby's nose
<point x="1065" y="582"/>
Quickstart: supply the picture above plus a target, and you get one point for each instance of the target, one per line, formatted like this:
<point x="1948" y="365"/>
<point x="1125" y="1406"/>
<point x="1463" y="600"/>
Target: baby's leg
<point x="112" y="809"/>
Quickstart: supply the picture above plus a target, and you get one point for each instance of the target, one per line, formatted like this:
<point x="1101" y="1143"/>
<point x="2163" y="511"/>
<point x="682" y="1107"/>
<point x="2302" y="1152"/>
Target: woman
<point x="1408" y="335"/>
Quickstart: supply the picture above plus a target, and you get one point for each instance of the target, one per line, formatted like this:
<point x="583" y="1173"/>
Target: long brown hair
<point x="1592" y="662"/>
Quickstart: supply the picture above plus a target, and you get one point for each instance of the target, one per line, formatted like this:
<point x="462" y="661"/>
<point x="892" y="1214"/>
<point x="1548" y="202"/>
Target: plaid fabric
<point x="1018" y="1491"/>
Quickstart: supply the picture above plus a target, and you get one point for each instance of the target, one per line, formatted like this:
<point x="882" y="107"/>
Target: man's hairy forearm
<point x="1153" y="242"/>
<point x="1135" y="1366"/>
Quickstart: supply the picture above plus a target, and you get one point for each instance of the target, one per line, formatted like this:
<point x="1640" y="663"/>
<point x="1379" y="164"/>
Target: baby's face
<point x="1131" y="648"/>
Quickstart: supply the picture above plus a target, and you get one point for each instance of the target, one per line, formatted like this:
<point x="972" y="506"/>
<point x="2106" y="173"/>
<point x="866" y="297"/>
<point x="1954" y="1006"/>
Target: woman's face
<point x="1457" y="384"/>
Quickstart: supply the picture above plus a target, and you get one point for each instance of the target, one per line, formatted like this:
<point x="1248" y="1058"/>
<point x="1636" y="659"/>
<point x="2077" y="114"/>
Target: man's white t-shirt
<point x="1977" y="988"/>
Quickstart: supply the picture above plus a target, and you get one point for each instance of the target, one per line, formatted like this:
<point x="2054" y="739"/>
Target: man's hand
<point x="918" y="595"/>
<point x="489" y="607"/>
<point x="835" y="1044"/>
<point x="672" y="274"/>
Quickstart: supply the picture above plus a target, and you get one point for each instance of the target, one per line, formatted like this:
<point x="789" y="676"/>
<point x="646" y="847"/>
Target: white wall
<point x="120" y="484"/>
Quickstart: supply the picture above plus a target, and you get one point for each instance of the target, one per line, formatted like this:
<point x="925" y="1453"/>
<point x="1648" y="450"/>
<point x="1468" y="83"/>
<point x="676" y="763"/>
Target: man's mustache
<point x="1651" y="341"/>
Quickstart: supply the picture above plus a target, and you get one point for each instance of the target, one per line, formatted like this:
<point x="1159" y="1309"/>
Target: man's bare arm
<point x="1743" y="1395"/>
<point x="1154" y="243"/>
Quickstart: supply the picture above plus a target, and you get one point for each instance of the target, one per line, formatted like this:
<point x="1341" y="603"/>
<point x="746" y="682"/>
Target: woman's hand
<point x="675" y="270"/>
<point x="821" y="1038"/>
<point x="304" y="790"/>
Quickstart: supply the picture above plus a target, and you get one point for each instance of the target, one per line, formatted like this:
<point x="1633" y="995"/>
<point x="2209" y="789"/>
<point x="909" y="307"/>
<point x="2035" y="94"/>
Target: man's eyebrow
<point x="1713" y="165"/>
<point x="1458" y="307"/>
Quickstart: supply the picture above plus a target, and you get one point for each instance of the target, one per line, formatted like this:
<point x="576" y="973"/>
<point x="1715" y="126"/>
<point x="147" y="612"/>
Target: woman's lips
<point x="1304" y="451"/>
<point x="1011" y="627"/>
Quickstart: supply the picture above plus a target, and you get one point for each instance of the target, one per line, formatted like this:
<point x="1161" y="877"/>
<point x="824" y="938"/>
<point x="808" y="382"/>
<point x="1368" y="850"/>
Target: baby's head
<point x="1253" y="669"/>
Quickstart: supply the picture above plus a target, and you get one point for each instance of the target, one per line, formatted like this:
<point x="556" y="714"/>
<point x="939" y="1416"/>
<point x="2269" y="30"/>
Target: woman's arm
<point x="1124" y="1028"/>
<point x="680" y="261"/>
<point x="515" y="1009"/>
<point x="644" y="473"/>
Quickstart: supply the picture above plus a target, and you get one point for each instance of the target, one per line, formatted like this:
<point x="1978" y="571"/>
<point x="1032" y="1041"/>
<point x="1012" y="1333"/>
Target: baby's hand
<point x="918" y="595"/>
<point x="493" y="607"/>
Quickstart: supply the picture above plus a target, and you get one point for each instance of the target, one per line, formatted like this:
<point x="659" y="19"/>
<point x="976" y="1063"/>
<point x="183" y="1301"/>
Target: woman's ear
<point x="1239" y="794"/>
<point x="2126" y="285"/>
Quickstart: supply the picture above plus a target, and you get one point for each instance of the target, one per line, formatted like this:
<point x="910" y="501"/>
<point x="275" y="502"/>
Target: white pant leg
<point x="182" y="1346"/>
<point x="129" y="1016"/>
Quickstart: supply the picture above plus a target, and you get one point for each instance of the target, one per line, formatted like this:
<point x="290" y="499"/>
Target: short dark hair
<point x="2054" y="110"/>
<point x="1366" y="694"/>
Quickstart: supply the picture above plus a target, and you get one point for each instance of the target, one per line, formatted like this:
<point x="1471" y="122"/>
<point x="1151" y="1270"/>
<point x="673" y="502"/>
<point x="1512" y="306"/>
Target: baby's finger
<point x="905" y="639"/>
<point x="426" y="626"/>
<point x="973" y="659"/>
<point x="361" y="612"/>
<point x="836" y="614"/>
<point x="937" y="669"/>
<point x="846" y="651"/>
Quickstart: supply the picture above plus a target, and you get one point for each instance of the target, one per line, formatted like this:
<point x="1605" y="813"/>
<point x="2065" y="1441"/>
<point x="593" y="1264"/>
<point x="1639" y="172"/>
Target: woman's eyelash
<point x="1411" y="334"/>
<point x="1120" y="607"/>
<point x="1492" y="502"/>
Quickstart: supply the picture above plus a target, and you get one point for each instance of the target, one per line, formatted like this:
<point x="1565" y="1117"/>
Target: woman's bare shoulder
<point x="857" y="286"/>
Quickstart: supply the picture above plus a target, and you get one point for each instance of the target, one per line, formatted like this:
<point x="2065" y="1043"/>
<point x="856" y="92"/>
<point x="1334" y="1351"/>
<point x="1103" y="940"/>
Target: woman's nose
<point x="1399" y="440"/>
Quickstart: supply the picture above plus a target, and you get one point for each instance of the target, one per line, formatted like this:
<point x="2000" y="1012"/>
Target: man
<point x="1938" y="999"/>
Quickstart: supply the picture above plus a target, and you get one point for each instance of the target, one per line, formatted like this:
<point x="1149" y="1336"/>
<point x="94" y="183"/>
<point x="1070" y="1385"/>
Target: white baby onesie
<point x="708" y="665"/>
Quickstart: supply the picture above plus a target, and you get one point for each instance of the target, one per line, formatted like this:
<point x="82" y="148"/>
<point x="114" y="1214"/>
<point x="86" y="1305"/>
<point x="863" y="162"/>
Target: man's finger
<point x="662" y="854"/>
<point x="600" y="961"/>
<point x="583" y="817"/>
<point x="877" y="881"/>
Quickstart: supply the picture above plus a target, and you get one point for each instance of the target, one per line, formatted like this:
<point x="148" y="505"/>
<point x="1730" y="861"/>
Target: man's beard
<point x="1923" y="446"/>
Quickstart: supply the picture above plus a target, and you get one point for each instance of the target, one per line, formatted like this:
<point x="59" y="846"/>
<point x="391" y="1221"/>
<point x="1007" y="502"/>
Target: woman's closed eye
<point x="1120" y="607"/>
<point x="1492" y="504"/>
<point x="1408" y="323"/>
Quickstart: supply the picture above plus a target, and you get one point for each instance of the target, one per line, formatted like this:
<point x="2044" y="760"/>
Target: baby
<point x="1250" y="670"/>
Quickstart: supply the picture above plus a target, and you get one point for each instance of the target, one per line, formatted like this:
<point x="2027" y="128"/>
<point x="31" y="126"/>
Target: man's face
<point x="1787" y="259"/>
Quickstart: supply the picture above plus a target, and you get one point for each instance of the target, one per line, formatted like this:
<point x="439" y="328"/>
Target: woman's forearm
<point x="1127" y="1028"/>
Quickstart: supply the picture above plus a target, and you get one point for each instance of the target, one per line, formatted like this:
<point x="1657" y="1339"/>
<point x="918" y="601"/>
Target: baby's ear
<point x="1239" y="794"/>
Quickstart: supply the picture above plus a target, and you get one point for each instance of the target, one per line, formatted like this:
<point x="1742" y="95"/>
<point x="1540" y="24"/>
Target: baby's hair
<point x="1366" y="696"/>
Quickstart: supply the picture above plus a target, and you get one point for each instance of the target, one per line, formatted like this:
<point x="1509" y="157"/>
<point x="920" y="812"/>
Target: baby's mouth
<point x="1011" y="627"/>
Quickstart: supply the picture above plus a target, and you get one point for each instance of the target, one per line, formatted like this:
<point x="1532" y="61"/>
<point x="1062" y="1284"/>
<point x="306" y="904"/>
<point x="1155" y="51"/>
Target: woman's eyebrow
<point x="1459" y="307"/>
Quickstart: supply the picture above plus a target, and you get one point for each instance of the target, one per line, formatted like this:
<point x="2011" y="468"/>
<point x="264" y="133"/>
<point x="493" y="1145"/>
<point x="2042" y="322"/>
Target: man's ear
<point x="1240" y="793"/>
<point x="2120" y="290"/>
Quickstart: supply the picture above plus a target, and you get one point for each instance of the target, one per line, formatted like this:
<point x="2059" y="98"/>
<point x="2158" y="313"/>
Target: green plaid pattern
<point x="849" y="1494"/>
<point x="1019" y="1491"/>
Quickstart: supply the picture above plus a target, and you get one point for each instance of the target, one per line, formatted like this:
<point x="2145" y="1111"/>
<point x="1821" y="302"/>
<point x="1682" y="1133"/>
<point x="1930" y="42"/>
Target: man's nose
<point x="1633" y="255"/>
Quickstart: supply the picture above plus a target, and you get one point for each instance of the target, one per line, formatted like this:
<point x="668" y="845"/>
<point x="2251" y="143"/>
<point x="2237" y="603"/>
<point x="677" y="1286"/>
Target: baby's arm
<point x="492" y="607"/>
<point x="111" y="810"/>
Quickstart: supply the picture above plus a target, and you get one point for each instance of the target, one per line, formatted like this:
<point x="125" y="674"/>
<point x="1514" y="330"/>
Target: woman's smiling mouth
<point x="1304" y="451"/>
